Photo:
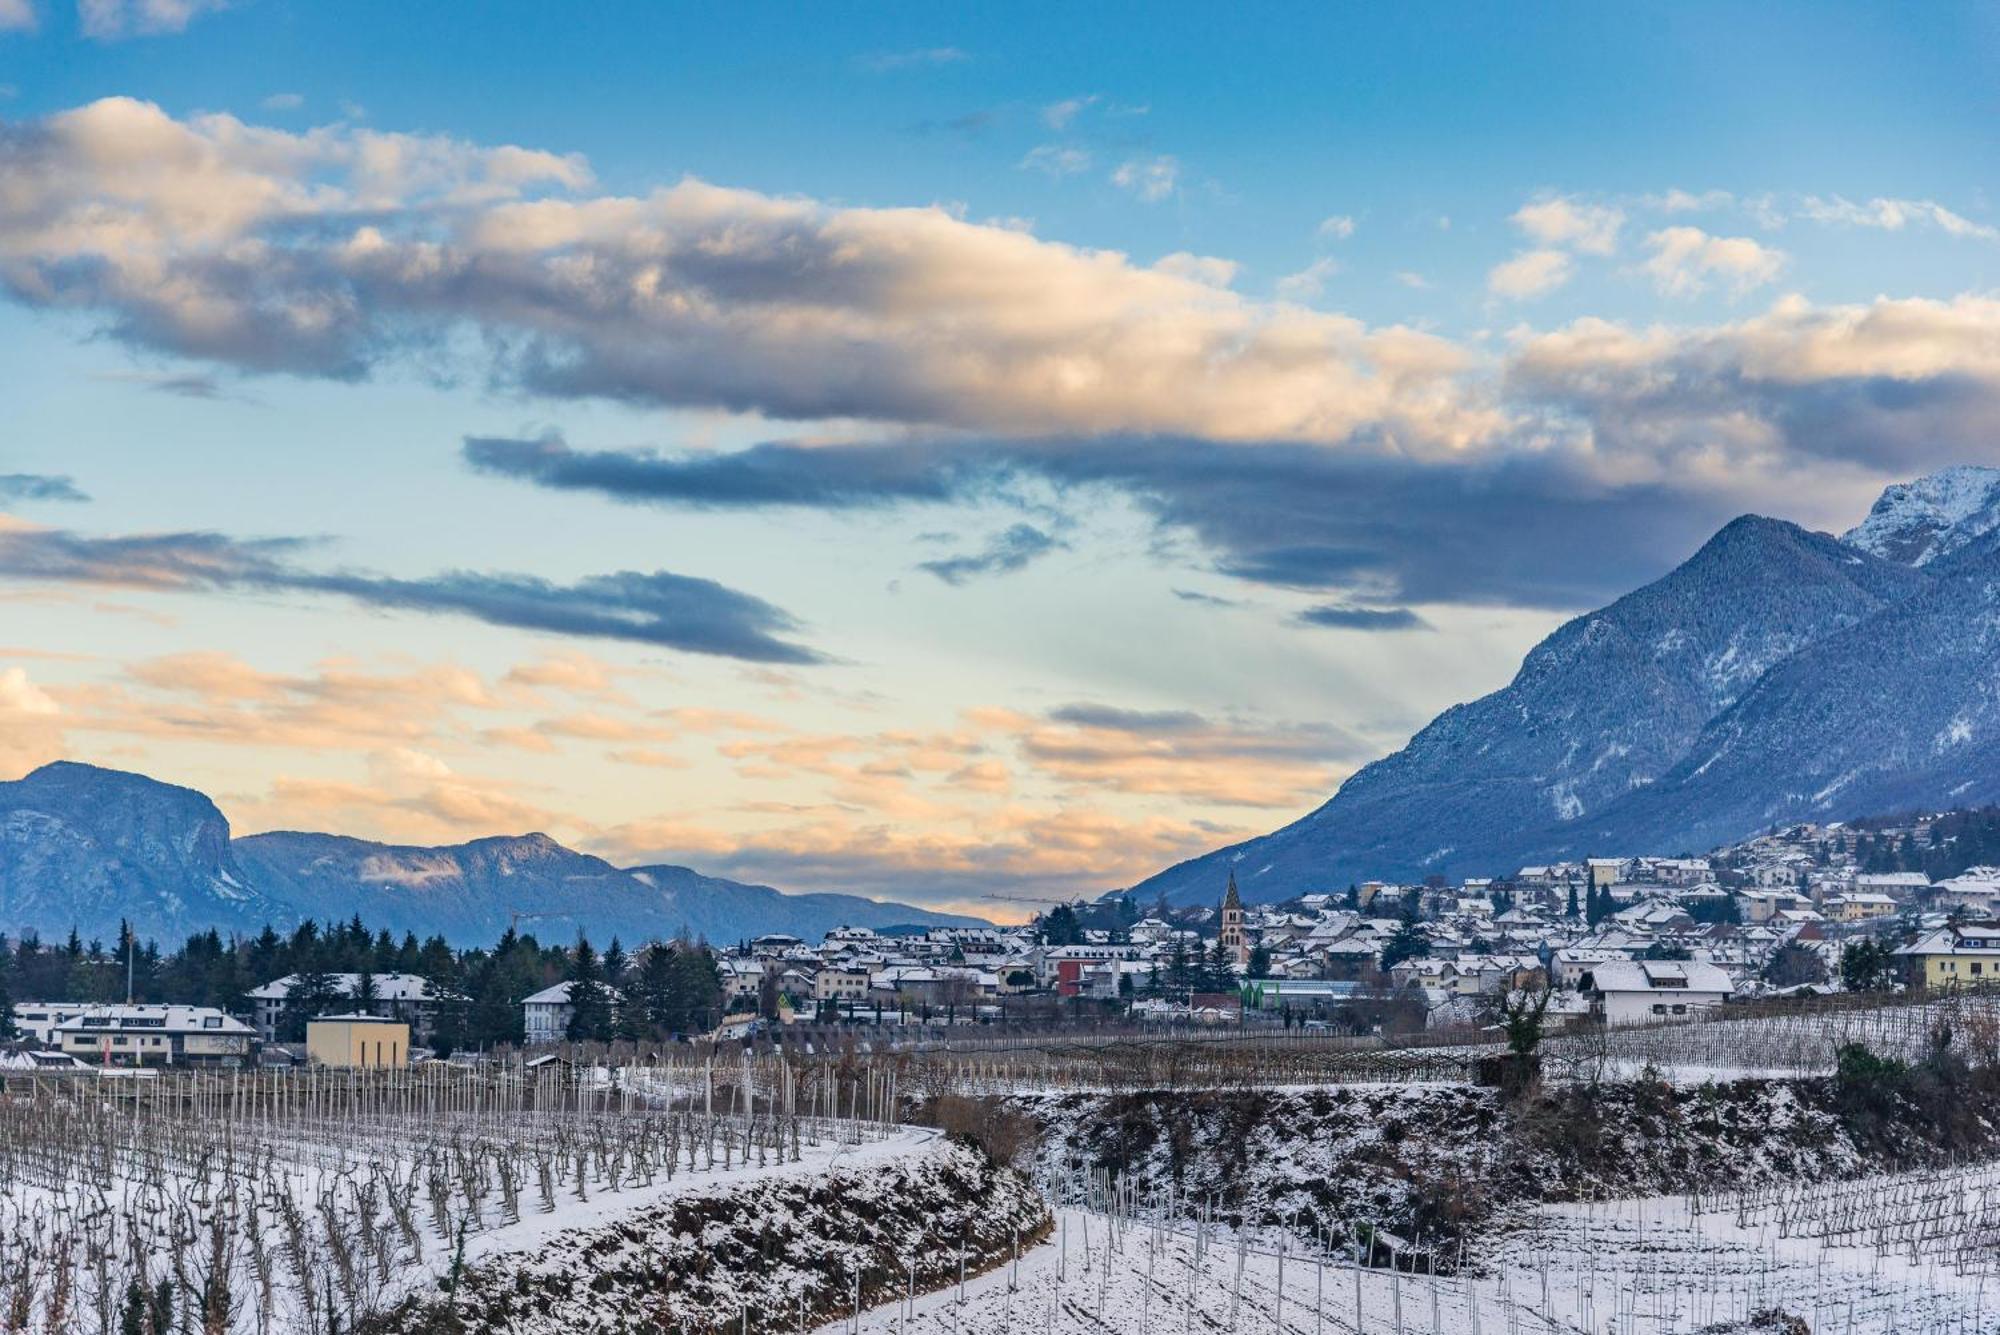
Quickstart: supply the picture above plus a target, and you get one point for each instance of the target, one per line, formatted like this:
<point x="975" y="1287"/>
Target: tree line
<point x="664" y="989"/>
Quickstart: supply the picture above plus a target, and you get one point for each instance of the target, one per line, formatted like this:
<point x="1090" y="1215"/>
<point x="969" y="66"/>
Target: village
<point x="1612" y="941"/>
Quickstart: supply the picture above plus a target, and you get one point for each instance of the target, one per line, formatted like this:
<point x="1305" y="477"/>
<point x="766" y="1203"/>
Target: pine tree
<point x="6" y="990"/>
<point x="590" y="1017"/>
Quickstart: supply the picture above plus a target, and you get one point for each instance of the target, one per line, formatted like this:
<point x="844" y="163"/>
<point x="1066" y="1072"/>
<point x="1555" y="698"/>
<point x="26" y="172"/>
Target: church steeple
<point x="1231" y="936"/>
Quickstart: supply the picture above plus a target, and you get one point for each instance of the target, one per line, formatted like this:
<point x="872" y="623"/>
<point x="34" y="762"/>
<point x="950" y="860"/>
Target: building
<point x="1963" y="955"/>
<point x="1858" y="907"/>
<point x="1233" y="943"/>
<point x="116" y="1035"/>
<point x="1649" y="991"/>
<point x="363" y="1042"/>
<point x="545" y="1015"/>
<point x="407" y="997"/>
<point x="834" y="983"/>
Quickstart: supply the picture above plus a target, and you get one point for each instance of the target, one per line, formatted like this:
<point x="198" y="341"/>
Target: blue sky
<point x="925" y="451"/>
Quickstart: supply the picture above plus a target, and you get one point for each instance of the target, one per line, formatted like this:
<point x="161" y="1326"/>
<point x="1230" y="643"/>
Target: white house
<point x="407" y="997"/>
<point x="1649" y="991"/>
<point x="156" y="1036"/>
<point x="546" y="1014"/>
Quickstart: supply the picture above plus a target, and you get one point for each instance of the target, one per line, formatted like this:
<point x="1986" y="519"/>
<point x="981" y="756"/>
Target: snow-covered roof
<point x="1660" y="976"/>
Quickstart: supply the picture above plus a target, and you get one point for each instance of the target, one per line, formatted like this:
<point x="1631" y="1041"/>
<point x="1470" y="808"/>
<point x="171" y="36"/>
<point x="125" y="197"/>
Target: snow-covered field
<point x="1652" y="1266"/>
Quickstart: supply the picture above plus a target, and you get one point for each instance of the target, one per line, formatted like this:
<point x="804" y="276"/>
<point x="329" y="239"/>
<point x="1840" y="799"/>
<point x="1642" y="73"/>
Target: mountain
<point x="1576" y="755"/>
<point x="470" y="892"/>
<point x="1901" y="711"/>
<point x="86" y="847"/>
<point x="1918" y="522"/>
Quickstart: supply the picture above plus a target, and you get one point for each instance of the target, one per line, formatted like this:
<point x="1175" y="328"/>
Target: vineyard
<point x="268" y="1202"/>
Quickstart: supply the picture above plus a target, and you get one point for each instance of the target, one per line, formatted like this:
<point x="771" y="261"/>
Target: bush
<point x="1004" y="1133"/>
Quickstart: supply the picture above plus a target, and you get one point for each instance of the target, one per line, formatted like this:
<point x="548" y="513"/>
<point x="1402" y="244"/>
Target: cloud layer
<point x="657" y="608"/>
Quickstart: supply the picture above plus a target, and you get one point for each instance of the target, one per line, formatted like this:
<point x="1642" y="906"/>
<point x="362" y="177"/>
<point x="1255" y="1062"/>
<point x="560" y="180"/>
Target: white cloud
<point x="109" y="20"/>
<point x="1210" y="269"/>
<point x="1310" y="281"/>
<point x="1892" y="215"/>
<point x="1057" y="160"/>
<point x="17" y="16"/>
<point x="1336" y="228"/>
<point x="1530" y="274"/>
<point x="324" y="252"/>
<point x="884" y="62"/>
<point x="1058" y="115"/>
<point x="1558" y="221"/>
<point x="1415" y="281"/>
<point x="1685" y="258"/>
<point x="1677" y="200"/>
<point x="284" y="102"/>
<point x="1151" y="179"/>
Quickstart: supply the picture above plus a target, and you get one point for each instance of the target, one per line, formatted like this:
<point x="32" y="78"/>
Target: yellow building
<point x="1964" y="955"/>
<point x="358" y="1041"/>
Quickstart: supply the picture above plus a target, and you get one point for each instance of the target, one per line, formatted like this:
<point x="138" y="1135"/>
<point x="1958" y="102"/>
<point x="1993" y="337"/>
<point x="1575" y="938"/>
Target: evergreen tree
<point x="590" y="1019"/>
<point x="1570" y="912"/>
<point x="1260" y="961"/>
<point x="6" y="991"/>
<point x="1405" y="943"/>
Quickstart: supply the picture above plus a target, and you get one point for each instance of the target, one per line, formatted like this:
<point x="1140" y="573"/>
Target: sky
<point x="967" y="455"/>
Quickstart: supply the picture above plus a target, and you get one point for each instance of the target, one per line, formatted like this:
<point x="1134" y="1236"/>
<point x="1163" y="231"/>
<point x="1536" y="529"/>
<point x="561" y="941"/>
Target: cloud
<point x="1589" y="228"/>
<point x="1416" y="282"/>
<point x="1058" y="115"/>
<point x="1677" y="200"/>
<point x="31" y="723"/>
<point x="39" y="487"/>
<point x="1007" y="552"/>
<point x="329" y="252"/>
<point x="1057" y="160"/>
<point x="658" y="608"/>
<point x="1532" y="273"/>
<point x="885" y="62"/>
<point x="1201" y="599"/>
<point x="17" y="16"/>
<point x="110" y="20"/>
<point x="1336" y="616"/>
<point x="1310" y="281"/>
<point x="1889" y="388"/>
<point x="1685" y="258"/>
<point x="1892" y="215"/>
<point x="1151" y="179"/>
<point x="186" y="385"/>
<point x="1336" y="228"/>
<point x="283" y="102"/>
<point x="833" y="477"/>
<point x="1086" y="715"/>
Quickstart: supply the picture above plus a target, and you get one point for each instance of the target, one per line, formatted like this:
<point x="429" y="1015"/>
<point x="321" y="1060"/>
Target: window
<point x="1659" y="1009"/>
<point x="1976" y="966"/>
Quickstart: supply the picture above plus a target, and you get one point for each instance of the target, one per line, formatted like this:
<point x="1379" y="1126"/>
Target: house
<point x="1649" y="991"/>
<point x="1964" y="955"/>
<point x="37" y="1020"/>
<point x="156" y="1036"/>
<point x="407" y="997"/>
<point x="1859" y="907"/>
<point x="838" y="983"/>
<point x="545" y="1015"/>
<point x="358" y="1042"/>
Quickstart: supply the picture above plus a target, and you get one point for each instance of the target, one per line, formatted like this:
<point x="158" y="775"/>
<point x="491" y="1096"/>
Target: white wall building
<point x="1651" y="991"/>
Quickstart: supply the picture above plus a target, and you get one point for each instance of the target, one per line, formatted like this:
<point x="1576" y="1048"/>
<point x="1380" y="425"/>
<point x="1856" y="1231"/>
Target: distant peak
<point x="1918" y="522"/>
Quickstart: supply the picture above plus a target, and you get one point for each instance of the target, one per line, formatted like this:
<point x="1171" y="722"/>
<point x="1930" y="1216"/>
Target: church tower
<point x="1233" y="943"/>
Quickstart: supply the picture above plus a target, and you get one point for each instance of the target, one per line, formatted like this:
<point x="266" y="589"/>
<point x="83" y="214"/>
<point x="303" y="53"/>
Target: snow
<point x="1921" y="521"/>
<point x="1644" y="1266"/>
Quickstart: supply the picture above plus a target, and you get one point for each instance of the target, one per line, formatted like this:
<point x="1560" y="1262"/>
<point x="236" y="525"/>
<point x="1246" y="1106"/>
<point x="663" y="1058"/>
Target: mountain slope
<point x="86" y="847"/>
<point x="470" y="892"/>
<point x="1919" y="522"/>
<point x="1607" y="704"/>
<point x="1902" y="710"/>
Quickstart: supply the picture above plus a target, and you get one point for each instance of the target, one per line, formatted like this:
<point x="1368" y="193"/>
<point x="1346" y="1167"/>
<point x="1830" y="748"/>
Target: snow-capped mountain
<point x="1777" y="674"/>
<point x="1918" y="522"/>
<point x="88" y="847"/>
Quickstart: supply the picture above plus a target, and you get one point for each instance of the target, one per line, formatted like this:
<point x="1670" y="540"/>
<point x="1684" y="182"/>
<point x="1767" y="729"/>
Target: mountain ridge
<point x="1597" y="743"/>
<point x="77" y="841"/>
